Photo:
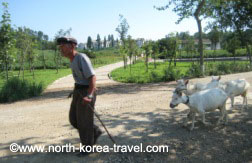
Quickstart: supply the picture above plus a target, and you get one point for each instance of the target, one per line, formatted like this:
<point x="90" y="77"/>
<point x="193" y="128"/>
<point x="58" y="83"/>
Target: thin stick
<point x="98" y="117"/>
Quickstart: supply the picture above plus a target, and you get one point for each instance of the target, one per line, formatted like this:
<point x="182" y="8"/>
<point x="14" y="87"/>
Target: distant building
<point x="207" y="44"/>
<point x="140" y="42"/>
<point x="81" y="46"/>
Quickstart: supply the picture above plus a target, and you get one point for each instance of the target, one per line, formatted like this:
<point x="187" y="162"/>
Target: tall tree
<point x="89" y="43"/>
<point x="199" y="9"/>
<point x="235" y="15"/>
<point x="98" y="41"/>
<point x="232" y="43"/>
<point x="6" y="39"/>
<point x="214" y="36"/>
<point x="104" y="42"/>
<point x="122" y="29"/>
<point x="112" y="41"/>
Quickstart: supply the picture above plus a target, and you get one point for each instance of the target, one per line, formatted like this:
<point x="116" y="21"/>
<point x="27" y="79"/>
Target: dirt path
<point x="134" y="114"/>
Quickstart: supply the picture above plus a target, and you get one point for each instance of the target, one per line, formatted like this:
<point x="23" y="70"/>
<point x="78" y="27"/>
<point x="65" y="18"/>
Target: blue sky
<point x="92" y="17"/>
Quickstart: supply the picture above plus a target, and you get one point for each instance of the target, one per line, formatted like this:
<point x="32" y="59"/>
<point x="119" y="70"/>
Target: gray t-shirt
<point x="82" y="69"/>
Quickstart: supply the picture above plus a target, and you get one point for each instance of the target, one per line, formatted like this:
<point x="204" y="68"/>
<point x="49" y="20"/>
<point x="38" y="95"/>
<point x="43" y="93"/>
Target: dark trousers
<point x="82" y="118"/>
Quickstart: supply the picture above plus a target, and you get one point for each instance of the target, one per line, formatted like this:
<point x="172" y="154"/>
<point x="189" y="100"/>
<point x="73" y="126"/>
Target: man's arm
<point x="91" y="90"/>
<point x="92" y="82"/>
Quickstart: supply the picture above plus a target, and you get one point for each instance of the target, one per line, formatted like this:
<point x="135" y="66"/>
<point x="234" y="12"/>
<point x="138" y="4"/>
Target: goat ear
<point x="186" y="82"/>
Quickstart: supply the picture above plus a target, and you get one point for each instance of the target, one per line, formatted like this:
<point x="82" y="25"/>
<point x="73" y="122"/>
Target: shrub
<point x="15" y="89"/>
<point x="170" y="74"/>
<point x="227" y="68"/>
<point x="194" y="71"/>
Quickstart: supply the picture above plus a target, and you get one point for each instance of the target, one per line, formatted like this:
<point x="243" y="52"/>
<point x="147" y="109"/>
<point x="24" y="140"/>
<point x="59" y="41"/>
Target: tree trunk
<point x="155" y="65"/>
<point x="249" y="54"/>
<point x="44" y="62"/>
<point x="146" y="63"/>
<point x="200" y="43"/>
<point x="55" y="60"/>
<point x="6" y="68"/>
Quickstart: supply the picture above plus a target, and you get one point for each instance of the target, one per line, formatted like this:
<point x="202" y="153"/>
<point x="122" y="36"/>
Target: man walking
<point x="84" y="96"/>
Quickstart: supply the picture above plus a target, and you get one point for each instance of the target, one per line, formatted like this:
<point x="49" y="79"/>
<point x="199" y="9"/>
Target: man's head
<point x="66" y="40"/>
<point x="67" y="45"/>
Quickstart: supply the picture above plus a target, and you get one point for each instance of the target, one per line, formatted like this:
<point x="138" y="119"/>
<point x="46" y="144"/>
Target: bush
<point x="170" y="74"/>
<point x="89" y="53"/>
<point x="154" y="77"/>
<point x="227" y="68"/>
<point x="15" y="89"/>
<point x="194" y="71"/>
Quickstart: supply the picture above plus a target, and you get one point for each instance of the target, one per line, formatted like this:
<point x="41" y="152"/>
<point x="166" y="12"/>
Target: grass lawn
<point x="138" y="73"/>
<point x="45" y="77"/>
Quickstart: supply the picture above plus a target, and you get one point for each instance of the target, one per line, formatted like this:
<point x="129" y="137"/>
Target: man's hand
<point x="86" y="100"/>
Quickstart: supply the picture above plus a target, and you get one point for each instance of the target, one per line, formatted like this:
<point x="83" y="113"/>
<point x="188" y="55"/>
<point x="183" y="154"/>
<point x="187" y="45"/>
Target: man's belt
<point x="79" y="86"/>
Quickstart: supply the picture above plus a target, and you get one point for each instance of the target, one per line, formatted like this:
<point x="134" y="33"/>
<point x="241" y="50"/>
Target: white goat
<point x="190" y="89"/>
<point x="235" y="88"/>
<point x="201" y="102"/>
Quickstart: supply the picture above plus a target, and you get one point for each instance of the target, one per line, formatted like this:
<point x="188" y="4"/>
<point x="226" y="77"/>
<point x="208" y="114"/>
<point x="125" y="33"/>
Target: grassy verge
<point x="33" y="84"/>
<point x="163" y="72"/>
<point x="139" y="74"/>
<point x="45" y="77"/>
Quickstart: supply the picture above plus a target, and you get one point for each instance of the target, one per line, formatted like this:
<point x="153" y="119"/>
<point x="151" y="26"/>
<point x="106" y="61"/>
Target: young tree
<point x="190" y="47"/>
<point x="155" y="52"/>
<point x="199" y="9"/>
<point x="6" y="39"/>
<point x="122" y="29"/>
<point x="23" y="43"/>
<point x="148" y="51"/>
<point x="57" y="55"/>
<point x="131" y="48"/>
<point x="172" y="47"/>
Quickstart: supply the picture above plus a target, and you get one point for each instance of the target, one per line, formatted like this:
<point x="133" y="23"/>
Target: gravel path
<point x="134" y="114"/>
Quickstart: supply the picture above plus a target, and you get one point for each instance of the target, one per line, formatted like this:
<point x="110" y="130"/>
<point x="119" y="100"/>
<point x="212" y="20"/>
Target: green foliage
<point x="183" y="69"/>
<point x="222" y="68"/>
<point x="6" y="39"/>
<point x="89" y="53"/>
<point x="123" y="28"/>
<point x="15" y="89"/>
<point x="139" y="75"/>
<point x="171" y="74"/>
<point x="194" y="71"/>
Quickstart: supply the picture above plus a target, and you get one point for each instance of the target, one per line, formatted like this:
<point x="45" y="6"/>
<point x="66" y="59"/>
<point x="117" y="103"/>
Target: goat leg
<point x="193" y="119"/>
<point x="232" y="102"/>
<point x="204" y="119"/>
<point x="223" y="112"/>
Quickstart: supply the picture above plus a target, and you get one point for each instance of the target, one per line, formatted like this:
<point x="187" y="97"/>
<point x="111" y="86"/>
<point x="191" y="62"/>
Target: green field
<point x="162" y="73"/>
<point x="47" y="76"/>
